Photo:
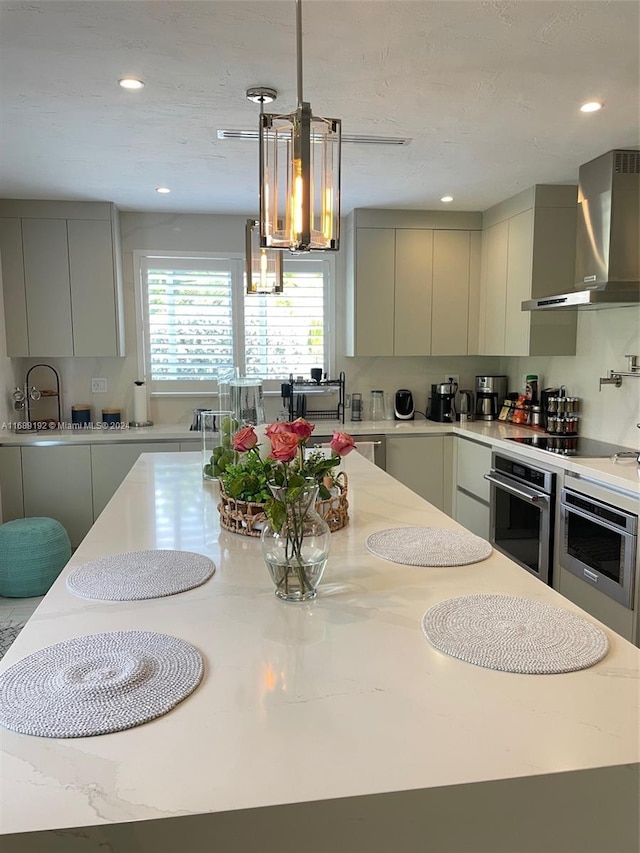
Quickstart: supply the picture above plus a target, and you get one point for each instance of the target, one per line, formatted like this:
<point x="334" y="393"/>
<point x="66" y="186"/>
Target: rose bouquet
<point x="288" y="463"/>
<point x="289" y="481"/>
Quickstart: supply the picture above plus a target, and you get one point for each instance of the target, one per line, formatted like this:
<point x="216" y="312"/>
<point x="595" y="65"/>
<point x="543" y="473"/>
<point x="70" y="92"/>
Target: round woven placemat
<point x="428" y="546"/>
<point x="514" y="634"/>
<point x="97" y="684"/>
<point x="135" y="575"/>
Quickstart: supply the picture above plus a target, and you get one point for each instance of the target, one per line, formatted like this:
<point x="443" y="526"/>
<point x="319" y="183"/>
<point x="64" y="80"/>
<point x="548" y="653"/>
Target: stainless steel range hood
<point x="607" y="236"/>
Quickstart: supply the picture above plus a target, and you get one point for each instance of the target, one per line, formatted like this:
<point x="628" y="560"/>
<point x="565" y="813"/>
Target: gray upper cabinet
<point x="412" y="282"/>
<point x="528" y="251"/>
<point x="61" y="275"/>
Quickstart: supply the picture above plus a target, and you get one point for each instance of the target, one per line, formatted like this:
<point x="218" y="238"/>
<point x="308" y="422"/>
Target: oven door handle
<point x="520" y="492"/>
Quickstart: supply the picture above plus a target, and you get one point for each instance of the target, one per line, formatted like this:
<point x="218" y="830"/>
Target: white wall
<point x="605" y="336"/>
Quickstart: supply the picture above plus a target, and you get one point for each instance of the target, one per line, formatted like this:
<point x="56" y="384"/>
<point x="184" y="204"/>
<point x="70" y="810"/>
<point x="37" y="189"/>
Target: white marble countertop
<point x="341" y="697"/>
<point x="623" y="474"/>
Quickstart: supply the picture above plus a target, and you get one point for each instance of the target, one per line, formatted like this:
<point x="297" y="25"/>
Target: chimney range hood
<point x="607" y="236"/>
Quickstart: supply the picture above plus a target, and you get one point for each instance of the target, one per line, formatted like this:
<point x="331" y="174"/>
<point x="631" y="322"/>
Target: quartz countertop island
<point x="326" y="727"/>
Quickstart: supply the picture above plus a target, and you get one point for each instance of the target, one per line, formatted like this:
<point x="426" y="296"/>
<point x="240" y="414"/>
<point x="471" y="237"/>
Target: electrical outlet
<point x="347" y="401"/>
<point x="452" y="377"/>
<point x="98" y="386"/>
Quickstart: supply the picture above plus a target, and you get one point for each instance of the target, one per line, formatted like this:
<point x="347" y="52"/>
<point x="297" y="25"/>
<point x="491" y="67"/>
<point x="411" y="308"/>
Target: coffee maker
<point x="442" y="406"/>
<point x="490" y="393"/>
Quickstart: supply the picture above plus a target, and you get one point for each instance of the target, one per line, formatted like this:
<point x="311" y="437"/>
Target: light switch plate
<point x="98" y="386"/>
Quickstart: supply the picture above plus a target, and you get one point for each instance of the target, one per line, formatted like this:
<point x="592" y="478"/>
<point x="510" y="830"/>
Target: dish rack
<point x="299" y="391"/>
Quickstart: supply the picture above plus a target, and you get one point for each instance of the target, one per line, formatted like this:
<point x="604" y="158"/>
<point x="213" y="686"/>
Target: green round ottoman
<point x="33" y="552"/>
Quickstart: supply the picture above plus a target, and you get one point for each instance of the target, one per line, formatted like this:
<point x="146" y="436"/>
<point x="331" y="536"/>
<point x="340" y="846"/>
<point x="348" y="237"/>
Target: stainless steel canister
<point x="536" y="416"/>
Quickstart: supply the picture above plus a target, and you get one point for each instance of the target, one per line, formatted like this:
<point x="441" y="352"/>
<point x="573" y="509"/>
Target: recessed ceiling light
<point x="447" y="198"/>
<point x="163" y="190"/>
<point x="591" y="107"/>
<point x="131" y="83"/>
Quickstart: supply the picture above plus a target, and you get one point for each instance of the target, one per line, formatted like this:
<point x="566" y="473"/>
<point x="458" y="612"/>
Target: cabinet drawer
<point x="473" y="462"/>
<point x="472" y="514"/>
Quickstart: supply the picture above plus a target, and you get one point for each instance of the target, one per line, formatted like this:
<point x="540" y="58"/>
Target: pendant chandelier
<point x="263" y="267"/>
<point x="299" y="174"/>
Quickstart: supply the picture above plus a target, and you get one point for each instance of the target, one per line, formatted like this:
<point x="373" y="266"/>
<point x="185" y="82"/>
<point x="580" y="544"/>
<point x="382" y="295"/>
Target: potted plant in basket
<point x="289" y="481"/>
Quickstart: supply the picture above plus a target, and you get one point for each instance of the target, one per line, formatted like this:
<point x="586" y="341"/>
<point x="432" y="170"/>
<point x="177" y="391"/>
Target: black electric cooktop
<point x="574" y="445"/>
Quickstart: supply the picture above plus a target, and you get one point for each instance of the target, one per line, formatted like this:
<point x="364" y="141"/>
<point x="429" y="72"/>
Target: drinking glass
<point x="377" y="405"/>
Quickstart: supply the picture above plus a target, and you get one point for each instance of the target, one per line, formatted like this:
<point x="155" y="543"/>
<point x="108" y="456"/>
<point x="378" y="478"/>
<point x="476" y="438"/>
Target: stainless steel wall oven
<point x="522" y="505"/>
<point x="598" y="544"/>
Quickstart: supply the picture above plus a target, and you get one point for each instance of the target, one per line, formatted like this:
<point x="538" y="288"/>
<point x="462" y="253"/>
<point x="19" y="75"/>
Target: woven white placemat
<point x="97" y="684"/>
<point x="428" y="546"/>
<point x="136" y="575"/>
<point x="514" y="634"/>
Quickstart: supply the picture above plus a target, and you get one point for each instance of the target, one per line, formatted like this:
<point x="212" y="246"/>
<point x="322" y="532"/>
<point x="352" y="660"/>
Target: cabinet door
<point x="374" y="291"/>
<point x="495" y="242"/>
<point x="475" y="263"/>
<point x="92" y="280"/>
<point x="413" y="291"/>
<point x="418" y="462"/>
<point x="46" y="275"/>
<point x="450" y="320"/>
<point x="57" y="484"/>
<point x="110" y="464"/>
<point x="519" y="271"/>
<point x="11" y="484"/>
<point x="15" y="303"/>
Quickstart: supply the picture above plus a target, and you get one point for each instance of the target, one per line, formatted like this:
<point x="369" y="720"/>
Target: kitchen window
<point x="195" y="319"/>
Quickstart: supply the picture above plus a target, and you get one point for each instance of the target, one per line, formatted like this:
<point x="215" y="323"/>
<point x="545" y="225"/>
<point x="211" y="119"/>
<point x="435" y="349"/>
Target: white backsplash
<point x="604" y="338"/>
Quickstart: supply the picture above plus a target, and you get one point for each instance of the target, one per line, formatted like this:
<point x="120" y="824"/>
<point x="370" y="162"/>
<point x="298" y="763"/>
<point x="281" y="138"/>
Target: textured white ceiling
<point x="488" y="91"/>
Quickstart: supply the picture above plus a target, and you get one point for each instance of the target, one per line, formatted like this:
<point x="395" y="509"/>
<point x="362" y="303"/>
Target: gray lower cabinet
<point x="110" y="464"/>
<point x="57" y="483"/>
<point x="423" y="463"/>
<point x="471" y="504"/>
<point x="11" y="484"/>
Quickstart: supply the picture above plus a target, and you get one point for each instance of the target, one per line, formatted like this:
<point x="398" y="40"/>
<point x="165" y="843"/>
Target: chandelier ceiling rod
<point x="299" y="50"/>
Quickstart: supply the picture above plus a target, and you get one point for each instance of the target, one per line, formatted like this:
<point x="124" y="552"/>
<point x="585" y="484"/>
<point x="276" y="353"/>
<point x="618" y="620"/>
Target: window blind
<point x="190" y="328"/>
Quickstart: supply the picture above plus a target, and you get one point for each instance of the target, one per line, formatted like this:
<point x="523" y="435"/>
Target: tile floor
<point x="18" y="609"/>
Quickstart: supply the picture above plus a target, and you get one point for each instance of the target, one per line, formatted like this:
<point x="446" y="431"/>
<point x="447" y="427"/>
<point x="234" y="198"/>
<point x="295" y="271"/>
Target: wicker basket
<point x="247" y="518"/>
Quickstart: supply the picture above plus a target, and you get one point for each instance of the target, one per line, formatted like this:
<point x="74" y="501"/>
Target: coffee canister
<point x="81" y="414"/>
<point x="111" y="416"/>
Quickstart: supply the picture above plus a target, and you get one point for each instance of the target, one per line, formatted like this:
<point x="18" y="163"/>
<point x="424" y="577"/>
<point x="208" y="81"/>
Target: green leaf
<point x="324" y="492"/>
<point x="276" y="513"/>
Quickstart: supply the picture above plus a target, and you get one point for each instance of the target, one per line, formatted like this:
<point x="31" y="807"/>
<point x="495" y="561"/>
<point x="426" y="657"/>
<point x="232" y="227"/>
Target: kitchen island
<point x="327" y="727"/>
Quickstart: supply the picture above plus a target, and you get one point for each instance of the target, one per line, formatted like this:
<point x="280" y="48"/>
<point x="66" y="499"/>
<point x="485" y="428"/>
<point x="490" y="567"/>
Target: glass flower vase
<point x="296" y="554"/>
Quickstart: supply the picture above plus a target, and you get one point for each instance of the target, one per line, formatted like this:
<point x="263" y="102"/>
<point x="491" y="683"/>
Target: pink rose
<point x="278" y="426"/>
<point x="284" y="446"/>
<point x="244" y="439"/>
<point x="342" y="443"/>
<point x="302" y="428"/>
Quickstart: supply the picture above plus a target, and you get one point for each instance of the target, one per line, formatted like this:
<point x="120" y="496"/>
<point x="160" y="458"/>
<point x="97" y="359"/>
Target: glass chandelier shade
<point x="263" y="267"/>
<point x="300" y="175"/>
